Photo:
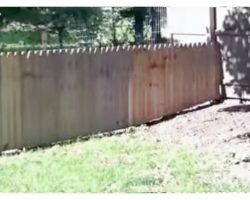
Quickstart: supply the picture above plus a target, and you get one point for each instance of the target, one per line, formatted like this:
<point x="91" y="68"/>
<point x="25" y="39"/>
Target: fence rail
<point x="46" y="96"/>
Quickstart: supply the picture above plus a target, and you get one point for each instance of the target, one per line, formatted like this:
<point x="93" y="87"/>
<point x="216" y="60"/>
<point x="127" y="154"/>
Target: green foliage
<point x="138" y="14"/>
<point x="74" y="26"/>
<point x="115" y="29"/>
<point x="19" y="14"/>
<point x="20" y="37"/>
<point x="131" y="162"/>
<point x="58" y="20"/>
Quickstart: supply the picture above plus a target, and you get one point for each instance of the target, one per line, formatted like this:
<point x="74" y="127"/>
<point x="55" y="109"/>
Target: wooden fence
<point x="46" y="96"/>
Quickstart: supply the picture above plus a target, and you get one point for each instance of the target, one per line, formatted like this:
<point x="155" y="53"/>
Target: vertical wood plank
<point x="45" y="98"/>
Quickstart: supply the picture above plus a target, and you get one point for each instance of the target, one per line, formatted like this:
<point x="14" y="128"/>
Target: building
<point x="191" y="25"/>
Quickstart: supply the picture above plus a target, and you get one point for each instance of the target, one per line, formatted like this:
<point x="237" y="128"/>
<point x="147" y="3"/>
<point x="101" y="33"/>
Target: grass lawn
<point x="127" y="163"/>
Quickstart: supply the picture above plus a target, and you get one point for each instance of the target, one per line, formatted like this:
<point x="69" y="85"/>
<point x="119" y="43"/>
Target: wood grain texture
<point x="46" y="97"/>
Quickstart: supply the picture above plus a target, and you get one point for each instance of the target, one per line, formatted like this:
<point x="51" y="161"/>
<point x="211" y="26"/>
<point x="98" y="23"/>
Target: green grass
<point x="125" y="163"/>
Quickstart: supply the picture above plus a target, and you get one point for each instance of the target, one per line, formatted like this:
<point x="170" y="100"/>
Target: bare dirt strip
<point x="222" y="129"/>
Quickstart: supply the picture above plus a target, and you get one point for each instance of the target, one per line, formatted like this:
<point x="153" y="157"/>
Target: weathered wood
<point x="51" y="96"/>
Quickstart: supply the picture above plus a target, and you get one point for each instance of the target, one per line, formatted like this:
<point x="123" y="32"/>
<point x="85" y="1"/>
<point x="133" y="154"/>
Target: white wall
<point x="188" y="20"/>
<point x="192" y="20"/>
<point x="195" y="20"/>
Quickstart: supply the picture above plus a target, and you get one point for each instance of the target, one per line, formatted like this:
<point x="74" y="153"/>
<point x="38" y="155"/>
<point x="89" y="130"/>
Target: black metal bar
<point x="236" y="85"/>
<point x="238" y="98"/>
<point x="191" y="34"/>
<point x="233" y="34"/>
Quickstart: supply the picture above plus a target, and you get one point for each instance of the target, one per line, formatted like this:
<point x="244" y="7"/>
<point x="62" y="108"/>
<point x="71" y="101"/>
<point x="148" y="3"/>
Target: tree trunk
<point x="139" y="19"/>
<point x="114" y="38"/>
<point x="60" y="36"/>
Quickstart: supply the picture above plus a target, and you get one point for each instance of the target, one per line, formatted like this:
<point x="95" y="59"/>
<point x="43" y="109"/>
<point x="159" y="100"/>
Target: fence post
<point x="213" y="25"/>
<point x="172" y="39"/>
<point x="44" y="38"/>
<point x="213" y="38"/>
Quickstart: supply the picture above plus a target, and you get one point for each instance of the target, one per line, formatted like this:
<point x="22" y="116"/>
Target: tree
<point x="138" y="14"/>
<point x="61" y="19"/>
<point x="18" y="14"/>
<point x="234" y="44"/>
<point x="56" y="19"/>
<point x="115" y="29"/>
<point x="141" y="15"/>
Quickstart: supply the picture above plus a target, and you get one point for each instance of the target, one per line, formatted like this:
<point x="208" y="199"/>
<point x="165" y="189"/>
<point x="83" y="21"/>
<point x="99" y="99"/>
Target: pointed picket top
<point x="72" y="51"/>
<point x="117" y="48"/>
<point x="160" y="46"/>
<point x="210" y="43"/>
<point x="101" y="49"/>
<point x="2" y="54"/>
<point x="166" y="45"/>
<point x="78" y="50"/>
<point x="40" y="52"/>
<point x="182" y="45"/>
<point x="22" y="53"/>
<point x="171" y="45"/>
<point x="125" y="47"/>
<point x="204" y="44"/>
<point x="15" y="53"/>
<point x="151" y="46"/>
<point x="7" y="54"/>
<point x="89" y="50"/>
<point x="83" y="49"/>
<point x="107" y="49"/>
<point x="177" y="45"/>
<point x="28" y="54"/>
<point x="48" y="52"/>
<point x="128" y="48"/>
<point x="196" y="45"/>
<point x="94" y="50"/>
<point x="112" y="49"/>
<point x="148" y="47"/>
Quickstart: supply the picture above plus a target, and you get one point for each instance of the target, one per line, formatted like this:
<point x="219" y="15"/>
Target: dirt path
<point x="222" y="129"/>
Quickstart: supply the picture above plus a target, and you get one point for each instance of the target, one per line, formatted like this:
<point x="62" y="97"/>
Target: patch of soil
<point x="222" y="129"/>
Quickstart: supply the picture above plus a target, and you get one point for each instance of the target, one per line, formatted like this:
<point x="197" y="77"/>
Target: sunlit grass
<point x="125" y="163"/>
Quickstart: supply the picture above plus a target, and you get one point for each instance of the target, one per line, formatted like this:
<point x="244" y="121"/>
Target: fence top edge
<point x="107" y="49"/>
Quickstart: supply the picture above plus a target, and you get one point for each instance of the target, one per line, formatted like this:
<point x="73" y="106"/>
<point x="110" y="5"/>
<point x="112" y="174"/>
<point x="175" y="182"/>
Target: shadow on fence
<point x="235" y="41"/>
